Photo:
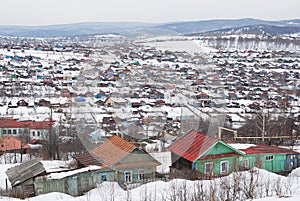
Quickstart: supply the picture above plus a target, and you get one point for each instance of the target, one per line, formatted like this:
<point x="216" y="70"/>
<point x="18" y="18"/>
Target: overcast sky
<point x="45" y="12"/>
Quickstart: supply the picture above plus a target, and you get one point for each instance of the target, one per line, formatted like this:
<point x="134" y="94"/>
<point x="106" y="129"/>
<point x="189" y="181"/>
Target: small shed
<point x="22" y="177"/>
<point x="74" y="182"/>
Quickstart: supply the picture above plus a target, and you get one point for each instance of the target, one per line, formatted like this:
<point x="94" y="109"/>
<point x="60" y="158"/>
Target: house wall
<point x="74" y="185"/>
<point x="24" y="190"/>
<point x="128" y="164"/>
<point x="10" y="132"/>
<point x="232" y="165"/>
<point x="39" y="134"/>
<point x="148" y="174"/>
<point x="275" y="164"/>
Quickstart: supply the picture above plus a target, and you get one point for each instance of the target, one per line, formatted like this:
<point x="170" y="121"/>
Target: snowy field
<point x="181" y="45"/>
<point x="257" y="185"/>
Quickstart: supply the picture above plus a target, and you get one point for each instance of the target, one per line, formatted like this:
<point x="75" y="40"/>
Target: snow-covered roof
<point x="73" y="172"/>
<point x="55" y="166"/>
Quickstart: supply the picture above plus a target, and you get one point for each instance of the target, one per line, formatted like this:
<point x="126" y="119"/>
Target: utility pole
<point x="50" y="137"/>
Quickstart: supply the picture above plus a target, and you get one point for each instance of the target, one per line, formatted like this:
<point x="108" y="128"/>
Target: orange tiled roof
<point x="11" y="143"/>
<point x="113" y="150"/>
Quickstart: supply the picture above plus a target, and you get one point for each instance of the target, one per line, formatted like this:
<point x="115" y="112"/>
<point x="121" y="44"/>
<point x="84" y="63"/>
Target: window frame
<point x="211" y="164"/>
<point x="226" y="167"/>
<point x="269" y="158"/>
<point x="141" y="174"/>
<point x="128" y="178"/>
<point x="103" y="175"/>
<point x="246" y="163"/>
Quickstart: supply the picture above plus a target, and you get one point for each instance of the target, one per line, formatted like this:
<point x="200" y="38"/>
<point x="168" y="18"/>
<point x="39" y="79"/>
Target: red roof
<point x="13" y="123"/>
<point x="192" y="145"/>
<point x="264" y="149"/>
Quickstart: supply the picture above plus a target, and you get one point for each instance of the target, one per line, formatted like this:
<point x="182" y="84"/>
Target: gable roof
<point x="112" y="150"/>
<point x="192" y="145"/>
<point x="33" y="168"/>
<point x="24" y="171"/>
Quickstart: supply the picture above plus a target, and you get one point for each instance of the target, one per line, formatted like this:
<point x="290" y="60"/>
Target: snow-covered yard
<point x="254" y="185"/>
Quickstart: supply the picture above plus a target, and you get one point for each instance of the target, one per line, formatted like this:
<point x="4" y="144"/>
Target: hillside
<point x="134" y="29"/>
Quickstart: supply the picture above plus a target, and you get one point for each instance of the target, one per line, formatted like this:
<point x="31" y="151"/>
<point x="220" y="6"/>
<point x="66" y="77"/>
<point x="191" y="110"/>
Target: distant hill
<point x="262" y="29"/>
<point x="212" y="25"/>
<point x="134" y="29"/>
<point x="76" y="29"/>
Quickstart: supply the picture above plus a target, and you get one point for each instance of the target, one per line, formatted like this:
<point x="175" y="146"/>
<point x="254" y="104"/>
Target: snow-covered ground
<point x="255" y="185"/>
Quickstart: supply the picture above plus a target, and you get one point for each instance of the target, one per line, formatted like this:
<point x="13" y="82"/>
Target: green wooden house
<point x="272" y="158"/>
<point x="197" y="155"/>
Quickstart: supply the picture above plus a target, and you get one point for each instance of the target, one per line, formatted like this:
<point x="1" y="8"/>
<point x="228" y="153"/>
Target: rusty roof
<point x="192" y="145"/>
<point x="113" y="150"/>
<point x="87" y="159"/>
<point x="265" y="149"/>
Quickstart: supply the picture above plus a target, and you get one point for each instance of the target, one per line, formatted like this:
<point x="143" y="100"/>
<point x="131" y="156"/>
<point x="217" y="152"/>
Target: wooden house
<point x="197" y="155"/>
<point x="25" y="129"/>
<point x="22" y="177"/>
<point x="125" y="163"/>
<point x="272" y="158"/>
<point x="109" y="102"/>
<point x="37" y="177"/>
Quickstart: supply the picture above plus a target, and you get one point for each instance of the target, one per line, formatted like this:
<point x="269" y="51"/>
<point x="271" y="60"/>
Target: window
<point x="246" y="163"/>
<point x="127" y="176"/>
<point x="33" y="133"/>
<point x="208" y="168"/>
<point x="38" y="133"/>
<point x="103" y="177"/>
<point x="14" y="131"/>
<point x="224" y="167"/>
<point x="141" y="175"/>
<point x="268" y="158"/>
<point x="4" y="132"/>
<point x="9" y="132"/>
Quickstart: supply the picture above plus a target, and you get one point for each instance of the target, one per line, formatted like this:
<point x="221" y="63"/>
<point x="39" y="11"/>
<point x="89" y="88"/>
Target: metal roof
<point x="25" y="171"/>
<point x="192" y="145"/>
<point x="113" y="150"/>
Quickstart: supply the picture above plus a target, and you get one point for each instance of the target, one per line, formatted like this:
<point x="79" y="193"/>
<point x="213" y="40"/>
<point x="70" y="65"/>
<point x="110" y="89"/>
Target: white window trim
<point x="130" y="176"/>
<point x="269" y="158"/>
<point x="246" y="163"/>
<point x="211" y="165"/>
<point x="141" y="172"/>
<point x="226" y="165"/>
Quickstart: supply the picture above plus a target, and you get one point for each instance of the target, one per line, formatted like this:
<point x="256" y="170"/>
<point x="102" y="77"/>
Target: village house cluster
<point x="114" y="103"/>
